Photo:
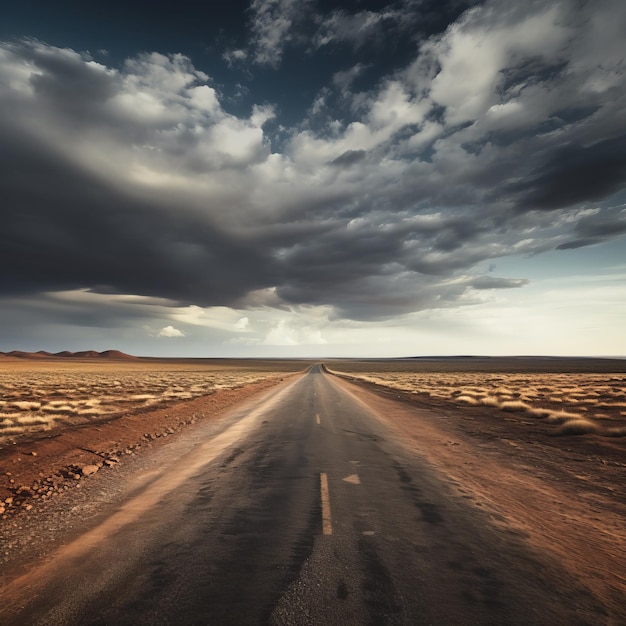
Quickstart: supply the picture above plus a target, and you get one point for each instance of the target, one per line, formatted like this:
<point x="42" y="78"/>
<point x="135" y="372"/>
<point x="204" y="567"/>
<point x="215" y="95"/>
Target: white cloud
<point x="277" y="24"/>
<point x="286" y="333"/>
<point x="170" y="331"/>
<point x="233" y="57"/>
<point x="389" y="111"/>
<point x="344" y="78"/>
<point x="362" y="27"/>
<point x="242" y="323"/>
<point x="217" y="317"/>
<point x="155" y="122"/>
<point x="474" y="51"/>
<point x="273" y="27"/>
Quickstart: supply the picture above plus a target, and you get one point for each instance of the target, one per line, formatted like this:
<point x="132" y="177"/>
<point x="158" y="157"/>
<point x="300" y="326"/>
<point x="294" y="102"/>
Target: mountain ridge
<point x="66" y="354"/>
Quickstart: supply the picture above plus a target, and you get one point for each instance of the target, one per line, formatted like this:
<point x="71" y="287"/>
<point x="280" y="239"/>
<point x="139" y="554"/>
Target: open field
<point x="575" y="396"/>
<point x="43" y="396"/>
<point x="559" y="499"/>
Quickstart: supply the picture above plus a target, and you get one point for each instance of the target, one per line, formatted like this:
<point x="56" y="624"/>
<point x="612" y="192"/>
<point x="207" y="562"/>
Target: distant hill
<point x="26" y="355"/>
<point x="85" y="354"/>
<point x="65" y="354"/>
<point x="116" y="354"/>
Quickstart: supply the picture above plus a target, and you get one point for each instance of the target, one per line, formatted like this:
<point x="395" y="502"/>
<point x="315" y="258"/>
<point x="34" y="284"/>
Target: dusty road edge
<point x="33" y="472"/>
<point x="562" y="516"/>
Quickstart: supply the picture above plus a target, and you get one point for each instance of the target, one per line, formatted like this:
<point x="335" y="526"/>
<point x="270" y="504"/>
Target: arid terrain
<point x="569" y="394"/>
<point x="539" y="443"/>
<point x="40" y="396"/>
<point x="62" y="417"/>
<point x="538" y="446"/>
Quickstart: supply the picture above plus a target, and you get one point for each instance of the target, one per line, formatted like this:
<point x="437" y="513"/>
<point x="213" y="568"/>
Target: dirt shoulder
<point x="564" y="495"/>
<point x="32" y="472"/>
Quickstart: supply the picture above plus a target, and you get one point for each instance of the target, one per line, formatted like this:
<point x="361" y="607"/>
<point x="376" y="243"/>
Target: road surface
<point x="305" y="509"/>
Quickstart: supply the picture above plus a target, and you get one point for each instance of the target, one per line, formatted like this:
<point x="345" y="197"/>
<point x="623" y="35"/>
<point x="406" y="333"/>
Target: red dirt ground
<point x="564" y="494"/>
<point x="31" y="470"/>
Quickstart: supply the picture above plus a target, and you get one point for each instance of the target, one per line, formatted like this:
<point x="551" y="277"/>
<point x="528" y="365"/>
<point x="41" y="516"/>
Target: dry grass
<point x="42" y="396"/>
<point x="489" y="401"/>
<point x="578" y="427"/>
<point x="467" y="400"/>
<point x="576" y="402"/>
<point x="560" y="417"/>
<point x="514" y="406"/>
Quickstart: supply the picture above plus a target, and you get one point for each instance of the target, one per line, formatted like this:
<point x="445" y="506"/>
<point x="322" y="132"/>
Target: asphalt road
<point x="306" y="510"/>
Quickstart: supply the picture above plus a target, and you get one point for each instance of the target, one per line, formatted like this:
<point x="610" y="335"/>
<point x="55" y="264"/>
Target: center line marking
<point x="327" y="527"/>
<point x="317" y="419"/>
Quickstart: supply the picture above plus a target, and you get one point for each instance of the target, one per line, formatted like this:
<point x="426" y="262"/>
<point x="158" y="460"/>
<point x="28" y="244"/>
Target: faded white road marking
<point x="317" y="419"/>
<point x="352" y="479"/>
<point x="368" y="533"/>
<point x="327" y="527"/>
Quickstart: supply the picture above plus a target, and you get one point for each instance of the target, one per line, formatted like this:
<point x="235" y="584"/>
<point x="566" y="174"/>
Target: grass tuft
<point x="620" y="431"/>
<point x="577" y="427"/>
<point x="490" y="401"/>
<point x="26" y="405"/>
<point x="514" y="406"/>
<point x="559" y="417"/>
<point x="467" y="400"/>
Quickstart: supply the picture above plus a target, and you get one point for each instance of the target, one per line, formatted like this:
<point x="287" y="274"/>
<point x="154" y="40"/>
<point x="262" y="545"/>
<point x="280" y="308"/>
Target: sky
<point x="304" y="178"/>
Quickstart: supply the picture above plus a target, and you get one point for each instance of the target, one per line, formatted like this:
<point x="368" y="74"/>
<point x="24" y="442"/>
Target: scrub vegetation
<point x="45" y="396"/>
<point x="574" y="403"/>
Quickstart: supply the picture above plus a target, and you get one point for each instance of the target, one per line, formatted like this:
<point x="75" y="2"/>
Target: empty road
<point x="305" y="509"/>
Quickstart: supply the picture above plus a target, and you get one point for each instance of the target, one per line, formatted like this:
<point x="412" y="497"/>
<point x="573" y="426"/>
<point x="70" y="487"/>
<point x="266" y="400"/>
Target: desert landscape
<point x="65" y="416"/>
<point x="43" y="393"/>
<point x="575" y="396"/>
<point x="538" y="444"/>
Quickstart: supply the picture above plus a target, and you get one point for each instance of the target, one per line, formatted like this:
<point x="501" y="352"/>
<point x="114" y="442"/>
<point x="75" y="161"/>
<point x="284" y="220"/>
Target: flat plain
<point x="574" y="396"/>
<point x="43" y="396"/>
<point x="534" y="447"/>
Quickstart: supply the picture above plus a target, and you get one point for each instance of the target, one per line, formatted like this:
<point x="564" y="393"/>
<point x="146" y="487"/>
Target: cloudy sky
<point x="314" y="178"/>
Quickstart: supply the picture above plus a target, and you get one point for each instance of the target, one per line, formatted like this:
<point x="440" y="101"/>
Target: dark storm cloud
<point x="349" y="157"/>
<point x="602" y="225"/>
<point x="391" y="293"/>
<point x="136" y="180"/>
<point x="374" y="297"/>
<point x="456" y="232"/>
<point x="64" y="229"/>
<point x="368" y="270"/>
<point x="493" y="282"/>
<point x="577" y="243"/>
<point x="81" y="308"/>
<point x="69" y="79"/>
<point x="576" y="174"/>
<point x="597" y="228"/>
